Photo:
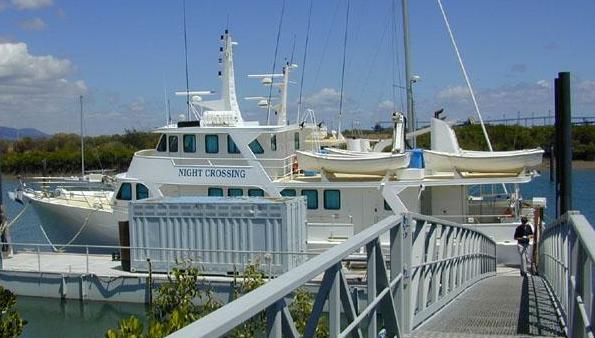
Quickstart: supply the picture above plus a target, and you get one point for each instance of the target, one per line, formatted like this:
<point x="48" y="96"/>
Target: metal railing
<point x="86" y="258"/>
<point x="567" y="255"/>
<point x="430" y="262"/>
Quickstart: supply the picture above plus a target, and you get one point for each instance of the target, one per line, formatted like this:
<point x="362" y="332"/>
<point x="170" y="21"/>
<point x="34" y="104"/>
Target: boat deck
<point x="506" y="305"/>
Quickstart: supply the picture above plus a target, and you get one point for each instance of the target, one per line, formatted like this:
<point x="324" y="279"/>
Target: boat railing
<point x="80" y="258"/>
<point x="430" y="262"/>
<point x="96" y="200"/>
<point x="276" y="168"/>
<point x="566" y="262"/>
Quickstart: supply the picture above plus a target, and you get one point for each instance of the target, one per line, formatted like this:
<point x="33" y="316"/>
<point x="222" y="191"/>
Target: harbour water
<point x="56" y="318"/>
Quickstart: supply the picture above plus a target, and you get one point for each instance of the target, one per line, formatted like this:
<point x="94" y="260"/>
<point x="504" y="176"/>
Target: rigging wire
<point x="275" y="61"/>
<point x="343" y="67"/>
<point x="328" y="36"/>
<point x="459" y="57"/>
<point x="299" y="107"/>
<point x="186" y="58"/>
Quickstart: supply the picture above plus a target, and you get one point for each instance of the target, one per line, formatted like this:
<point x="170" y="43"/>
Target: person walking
<point x="523" y="235"/>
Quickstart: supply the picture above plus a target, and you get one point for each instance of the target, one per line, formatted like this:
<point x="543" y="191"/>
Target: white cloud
<point x="453" y="93"/>
<point x="31" y="4"/>
<point x="35" y="24"/>
<point x="34" y="90"/>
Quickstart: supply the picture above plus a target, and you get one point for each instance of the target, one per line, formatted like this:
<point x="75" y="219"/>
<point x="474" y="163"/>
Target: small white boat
<point x="483" y="161"/>
<point x="350" y="164"/>
<point x="337" y="151"/>
<point x="446" y="155"/>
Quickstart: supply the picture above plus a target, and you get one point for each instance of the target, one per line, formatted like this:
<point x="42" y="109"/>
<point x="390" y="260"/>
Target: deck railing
<point x="430" y="262"/>
<point x="567" y="255"/>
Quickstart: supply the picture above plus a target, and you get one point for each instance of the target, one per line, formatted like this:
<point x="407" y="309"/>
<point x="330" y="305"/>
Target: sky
<point x="127" y="58"/>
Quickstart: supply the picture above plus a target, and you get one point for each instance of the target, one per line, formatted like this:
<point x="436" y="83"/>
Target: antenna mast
<point x="82" y="140"/>
<point x="343" y="67"/>
<point x="408" y="76"/>
<point x="186" y="58"/>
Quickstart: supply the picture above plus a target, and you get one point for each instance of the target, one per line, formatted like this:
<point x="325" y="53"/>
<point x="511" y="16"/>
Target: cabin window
<point x="173" y="144"/>
<point x="125" y="192"/>
<point x="256" y="147"/>
<point x="215" y="192"/>
<point x="274" y="143"/>
<point x="235" y="192"/>
<point x="296" y="141"/>
<point x="288" y="192"/>
<point x="387" y="207"/>
<point x="311" y="198"/>
<point x="255" y="192"/>
<point x="332" y="199"/>
<point x="211" y="144"/>
<point x="231" y="146"/>
<point x="162" y="145"/>
<point x="189" y="143"/>
<point x="142" y="191"/>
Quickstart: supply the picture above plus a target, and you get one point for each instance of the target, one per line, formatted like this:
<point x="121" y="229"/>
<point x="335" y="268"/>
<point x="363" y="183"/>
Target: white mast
<point x="408" y="77"/>
<point x="82" y="141"/>
<point x="228" y="90"/>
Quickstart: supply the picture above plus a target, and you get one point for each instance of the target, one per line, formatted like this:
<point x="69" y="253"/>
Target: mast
<point x="82" y="140"/>
<point x="408" y="77"/>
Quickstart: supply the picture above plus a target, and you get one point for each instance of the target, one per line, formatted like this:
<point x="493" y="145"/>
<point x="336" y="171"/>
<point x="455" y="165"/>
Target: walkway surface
<point x="507" y="305"/>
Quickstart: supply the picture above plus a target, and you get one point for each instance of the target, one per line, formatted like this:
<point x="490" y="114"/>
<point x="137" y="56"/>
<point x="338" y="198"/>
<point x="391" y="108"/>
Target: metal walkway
<point x="507" y="305"/>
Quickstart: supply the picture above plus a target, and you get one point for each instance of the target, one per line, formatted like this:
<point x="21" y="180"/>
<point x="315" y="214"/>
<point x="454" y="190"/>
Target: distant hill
<point x="7" y="133"/>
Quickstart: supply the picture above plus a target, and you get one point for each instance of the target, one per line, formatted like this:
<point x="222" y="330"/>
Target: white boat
<point x="345" y="152"/>
<point x="446" y="155"/>
<point x="350" y="164"/>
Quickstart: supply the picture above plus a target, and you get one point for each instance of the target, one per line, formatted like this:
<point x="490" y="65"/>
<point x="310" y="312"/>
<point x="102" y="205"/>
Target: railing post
<point x="371" y="272"/>
<point x="274" y="328"/>
<point x="38" y="260"/>
<point x="334" y="301"/>
<point x="397" y="267"/>
<point x="405" y="291"/>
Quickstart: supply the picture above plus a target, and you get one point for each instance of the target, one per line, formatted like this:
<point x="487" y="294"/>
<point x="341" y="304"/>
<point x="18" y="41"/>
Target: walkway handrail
<point x="567" y="256"/>
<point x="431" y="261"/>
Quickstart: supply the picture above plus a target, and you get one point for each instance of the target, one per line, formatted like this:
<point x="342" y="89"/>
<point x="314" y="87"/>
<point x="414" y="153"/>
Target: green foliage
<point x="11" y="324"/>
<point x="61" y="152"/>
<point x="300" y="310"/>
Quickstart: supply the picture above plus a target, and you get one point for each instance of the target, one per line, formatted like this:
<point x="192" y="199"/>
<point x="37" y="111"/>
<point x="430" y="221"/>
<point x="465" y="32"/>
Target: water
<point x="56" y="318"/>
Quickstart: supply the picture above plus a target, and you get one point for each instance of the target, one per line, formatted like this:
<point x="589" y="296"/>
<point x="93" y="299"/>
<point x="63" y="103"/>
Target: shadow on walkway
<point x="537" y="315"/>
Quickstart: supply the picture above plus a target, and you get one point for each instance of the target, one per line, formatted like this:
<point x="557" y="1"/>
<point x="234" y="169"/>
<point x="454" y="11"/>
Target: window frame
<point x="207" y="138"/>
<point x="255" y="143"/>
<point x="136" y="191"/>
<point x="120" y="190"/>
<point x="259" y="192"/>
<point x="189" y="136"/>
<point x="274" y="142"/>
<point x="229" y="192"/>
<point x="304" y="193"/>
<point x="162" y="142"/>
<point x="326" y="199"/>
<point x="284" y="192"/>
<point x="296" y="141"/>
<point x="211" y="189"/>
<point x="169" y="143"/>
<point x="232" y="147"/>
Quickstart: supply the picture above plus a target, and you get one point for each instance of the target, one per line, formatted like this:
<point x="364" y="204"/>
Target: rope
<point x="343" y="66"/>
<point x="299" y="108"/>
<point x="73" y="238"/>
<point x="459" y="57"/>
<point x="7" y="225"/>
<point x="275" y="61"/>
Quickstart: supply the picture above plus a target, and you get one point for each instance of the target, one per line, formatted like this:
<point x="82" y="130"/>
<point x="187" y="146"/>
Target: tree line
<point x="60" y="153"/>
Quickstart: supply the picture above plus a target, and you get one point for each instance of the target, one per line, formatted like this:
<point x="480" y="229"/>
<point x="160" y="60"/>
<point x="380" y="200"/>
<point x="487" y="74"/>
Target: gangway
<point x="441" y="281"/>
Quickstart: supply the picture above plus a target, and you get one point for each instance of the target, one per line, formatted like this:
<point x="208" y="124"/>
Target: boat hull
<point x="332" y="163"/>
<point x="62" y="223"/>
<point x="480" y="161"/>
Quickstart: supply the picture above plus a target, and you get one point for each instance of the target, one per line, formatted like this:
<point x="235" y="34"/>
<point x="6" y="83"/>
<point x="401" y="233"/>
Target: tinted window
<point x="288" y="192"/>
<point x="231" y="146"/>
<point x="311" y="198"/>
<point x="256" y="147"/>
<point x="296" y="141"/>
<point x="211" y="144"/>
<point x="332" y="199"/>
<point x="173" y="144"/>
<point x="215" y="192"/>
<point x="274" y="143"/>
<point x="232" y="192"/>
<point x="142" y="191"/>
<point x="255" y="192"/>
<point x="162" y="145"/>
<point x="125" y="192"/>
<point x="189" y="143"/>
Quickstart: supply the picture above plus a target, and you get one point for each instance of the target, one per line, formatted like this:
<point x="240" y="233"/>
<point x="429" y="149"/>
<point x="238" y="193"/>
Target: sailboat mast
<point x="82" y="140"/>
<point x="408" y="76"/>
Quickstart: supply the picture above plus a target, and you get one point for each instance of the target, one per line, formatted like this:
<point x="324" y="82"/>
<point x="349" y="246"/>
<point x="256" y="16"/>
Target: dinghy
<point x="446" y="155"/>
<point x="351" y="164"/>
